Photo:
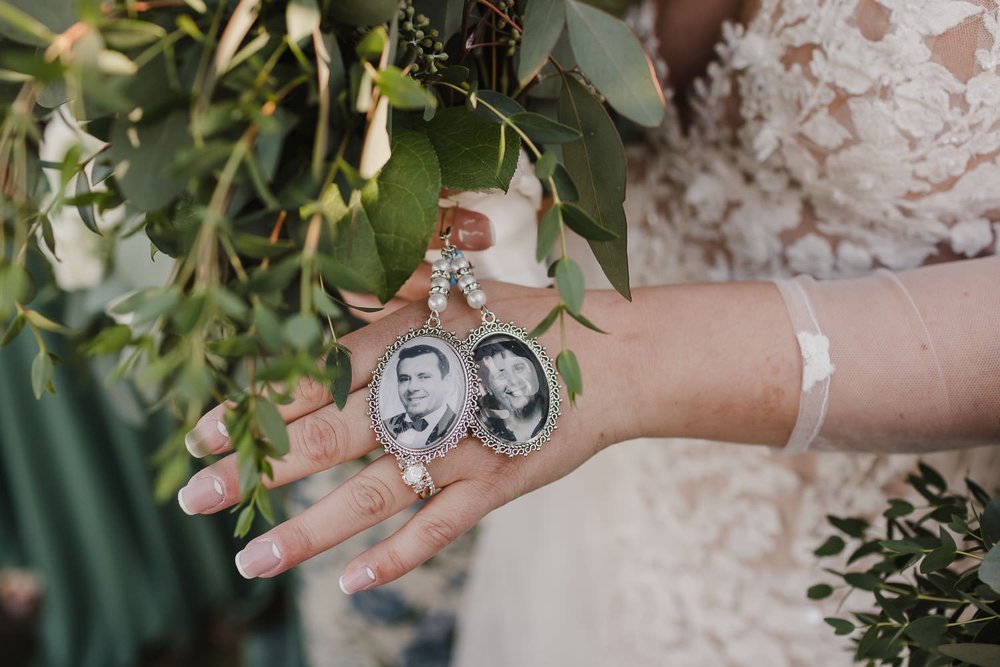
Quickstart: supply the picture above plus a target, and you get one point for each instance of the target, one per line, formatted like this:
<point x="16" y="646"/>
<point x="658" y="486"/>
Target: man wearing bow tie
<point x="422" y="375"/>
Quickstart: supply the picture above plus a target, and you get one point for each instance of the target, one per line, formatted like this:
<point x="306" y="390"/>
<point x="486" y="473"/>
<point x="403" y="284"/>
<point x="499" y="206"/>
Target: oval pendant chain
<point x="518" y="388"/>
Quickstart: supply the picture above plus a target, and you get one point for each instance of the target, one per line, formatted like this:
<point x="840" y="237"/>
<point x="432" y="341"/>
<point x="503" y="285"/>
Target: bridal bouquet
<point x="277" y="154"/>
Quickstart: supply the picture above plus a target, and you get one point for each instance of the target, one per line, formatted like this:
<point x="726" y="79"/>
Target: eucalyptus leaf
<point x="548" y="231"/>
<point x="903" y="546"/>
<point x="13" y="329"/>
<point x="981" y="655"/>
<point x="579" y="317"/>
<point x="842" y="627"/>
<point x="863" y="580"/>
<point x="403" y="91"/>
<point x="350" y="260"/>
<point x="819" y="591"/>
<point x="851" y="526"/>
<point x="989" y="523"/>
<point x="543" y="23"/>
<point x="928" y="630"/>
<point x="898" y="508"/>
<point x="15" y="284"/>
<point x="613" y="59"/>
<point x="989" y="569"/>
<point x="35" y="23"/>
<point x="41" y="373"/>
<point x="580" y="222"/>
<point x="86" y="210"/>
<point x="495" y="107"/>
<point x="272" y="425"/>
<point x="338" y="367"/>
<point x="569" y="280"/>
<point x="596" y="165"/>
<point x="867" y="641"/>
<point x="564" y="184"/>
<point x="546" y="165"/>
<point x="268" y="328"/>
<point x="301" y="331"/>
<point x="546" y="323"/>
<point x="402" y="208"/>
<point x="833" y="546"/>
<point x="544" y="130"/>
<point x="144" y="157"/>
<point x="569" y="369"/>
<point x="244" y="521"/>
<point x="468" y="149"/>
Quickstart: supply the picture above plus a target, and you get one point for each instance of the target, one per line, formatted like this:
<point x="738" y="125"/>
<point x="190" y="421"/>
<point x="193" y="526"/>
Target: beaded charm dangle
<point x="517" y="389"/>
<point x="422" y="397"/>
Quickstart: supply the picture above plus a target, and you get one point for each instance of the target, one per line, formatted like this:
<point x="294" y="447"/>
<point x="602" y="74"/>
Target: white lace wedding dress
<point x="831" y="138"/>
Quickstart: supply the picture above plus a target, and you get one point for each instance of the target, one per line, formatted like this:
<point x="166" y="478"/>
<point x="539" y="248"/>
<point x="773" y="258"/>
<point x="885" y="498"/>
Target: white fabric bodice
<point x="829" y="138"/>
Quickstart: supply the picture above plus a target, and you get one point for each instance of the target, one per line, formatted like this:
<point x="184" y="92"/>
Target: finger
<point x="470" y="230"/>
<point x="317" y="441"/>
<point x="369" y="301"/>
<point x="372" y="495"/>
<point x="437" y="524"/>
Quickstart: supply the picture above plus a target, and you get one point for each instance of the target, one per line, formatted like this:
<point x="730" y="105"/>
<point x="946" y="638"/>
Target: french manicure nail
<point x="258" y="558"/>
<point x="475" y="232"/>
<point x="204" y="438"/>
<point x="354" y="580"/>
<point x="202" y="494"/>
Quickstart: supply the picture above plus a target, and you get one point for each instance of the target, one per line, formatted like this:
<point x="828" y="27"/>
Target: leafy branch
<point x="938" y="602"/>
<point x="277" y="154"/>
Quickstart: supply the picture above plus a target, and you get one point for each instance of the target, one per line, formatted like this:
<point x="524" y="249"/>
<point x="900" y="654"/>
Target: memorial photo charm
<point x="517" y="392"/>
<point x="422" y="396"/>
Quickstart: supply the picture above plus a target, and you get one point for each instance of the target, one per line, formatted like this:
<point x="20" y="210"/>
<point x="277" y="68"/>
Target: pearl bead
<point x="476" y="298"/>
<point x="459" y="263"/>
<point x="465" y="281"/>
<point x="442" y="265"/>
<point x="438" y="302"/>
<point x="443" y="283"/>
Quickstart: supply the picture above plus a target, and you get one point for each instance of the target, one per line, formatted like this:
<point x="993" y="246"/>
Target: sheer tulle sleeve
<point x="899" y="362"/>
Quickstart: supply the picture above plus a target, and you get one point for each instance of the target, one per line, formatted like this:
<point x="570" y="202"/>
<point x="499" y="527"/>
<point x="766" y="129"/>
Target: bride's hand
<point x="474" y="480"/>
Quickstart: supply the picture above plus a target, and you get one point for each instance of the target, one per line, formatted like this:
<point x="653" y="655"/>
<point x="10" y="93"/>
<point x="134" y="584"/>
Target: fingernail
<point x="474" y="232"/>
<point x="354" y="580"/>
<point x="204" y="438"/>
<point x="258" y="558"/>
<point x="201" y="494"/>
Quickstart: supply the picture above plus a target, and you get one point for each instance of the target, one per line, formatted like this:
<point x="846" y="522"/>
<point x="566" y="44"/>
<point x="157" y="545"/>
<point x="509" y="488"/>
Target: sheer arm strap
<point x="899" y="362"/>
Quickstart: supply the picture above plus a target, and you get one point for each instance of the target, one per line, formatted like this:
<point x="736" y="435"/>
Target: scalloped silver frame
<point x="465" y="413"/>
<point x="500" y="445"/>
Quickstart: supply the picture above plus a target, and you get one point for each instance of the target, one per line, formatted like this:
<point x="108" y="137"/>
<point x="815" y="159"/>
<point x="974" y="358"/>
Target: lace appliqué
<point x="816" y="365"/>
<point x="829" y="138"/>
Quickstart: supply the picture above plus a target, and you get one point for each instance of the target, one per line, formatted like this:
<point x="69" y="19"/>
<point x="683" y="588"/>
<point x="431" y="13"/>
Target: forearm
<point x="914" y="363"/>
<point x="715" y="362"/>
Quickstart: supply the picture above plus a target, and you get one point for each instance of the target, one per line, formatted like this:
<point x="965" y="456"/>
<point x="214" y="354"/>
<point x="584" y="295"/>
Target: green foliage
<point x="933" y="577"/>
<point x="596" y="165"/>
<point x="470" y="150"/>
<point x="284" y="153"/>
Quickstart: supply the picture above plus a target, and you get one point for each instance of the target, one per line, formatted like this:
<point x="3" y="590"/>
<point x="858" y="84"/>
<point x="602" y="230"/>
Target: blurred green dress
<point x="125" y="580"/>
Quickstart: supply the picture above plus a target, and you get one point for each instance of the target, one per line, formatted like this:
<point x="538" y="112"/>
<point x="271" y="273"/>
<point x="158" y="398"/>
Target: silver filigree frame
<point x="499" y="445"/>
<point x="464" y="413"/>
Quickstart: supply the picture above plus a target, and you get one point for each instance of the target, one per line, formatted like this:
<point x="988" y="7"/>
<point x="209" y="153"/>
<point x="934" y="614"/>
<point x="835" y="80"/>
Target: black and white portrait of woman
<point x="514" y="400"/>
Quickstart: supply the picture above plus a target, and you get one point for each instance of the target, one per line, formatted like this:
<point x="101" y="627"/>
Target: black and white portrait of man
<point x="427" y="381"/>
<point x="514" y="399"/>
